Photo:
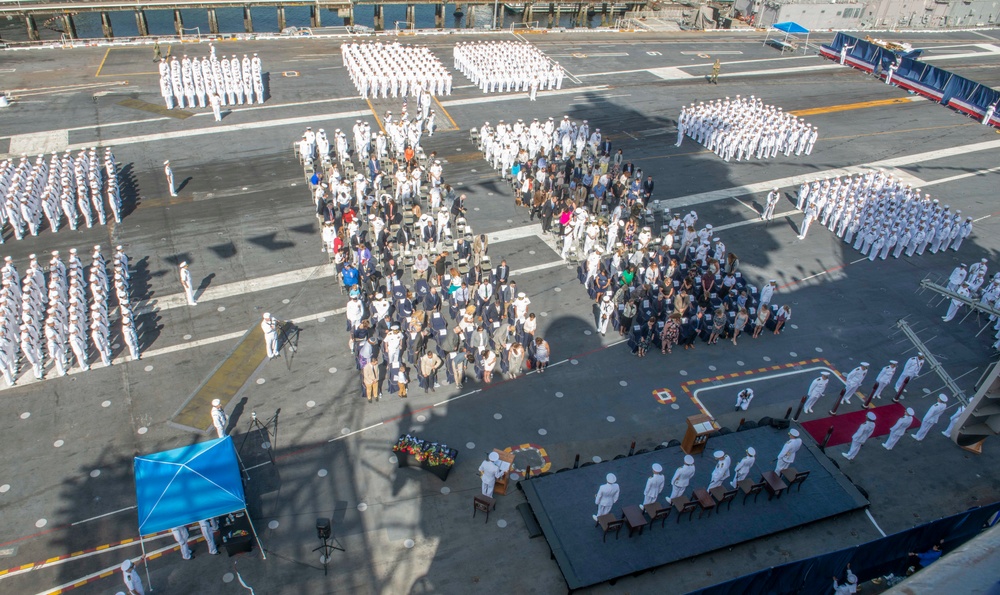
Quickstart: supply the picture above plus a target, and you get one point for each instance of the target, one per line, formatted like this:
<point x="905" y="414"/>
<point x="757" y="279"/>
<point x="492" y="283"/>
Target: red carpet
<point x="845" y="424"/>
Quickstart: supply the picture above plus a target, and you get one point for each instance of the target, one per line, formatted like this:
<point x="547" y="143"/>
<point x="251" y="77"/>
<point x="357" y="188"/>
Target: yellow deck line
<point x="851" y="106"/>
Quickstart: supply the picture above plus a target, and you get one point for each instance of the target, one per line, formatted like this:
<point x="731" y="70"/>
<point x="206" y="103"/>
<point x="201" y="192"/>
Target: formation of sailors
<point x="84" y="186"/>
<point x="745" y="128"/>
<point x="394" y="70"/>
<point x="507" y="66"/>
<point x="188" y="82"/>
<point x="880" y="215"/>
<point x="46" y="317"/>
<point x="505" y="144"/>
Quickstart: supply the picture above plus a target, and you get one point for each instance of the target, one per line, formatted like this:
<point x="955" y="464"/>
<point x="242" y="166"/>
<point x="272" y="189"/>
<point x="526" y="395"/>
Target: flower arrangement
<point x="432" y="453"/>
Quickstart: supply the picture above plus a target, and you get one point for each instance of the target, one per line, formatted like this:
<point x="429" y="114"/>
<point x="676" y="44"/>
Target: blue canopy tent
<point x="791" y="30"/>
<point x="188" y="484"/>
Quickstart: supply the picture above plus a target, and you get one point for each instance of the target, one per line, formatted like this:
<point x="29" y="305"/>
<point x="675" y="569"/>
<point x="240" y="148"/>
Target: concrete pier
<point x="247" y="20"/>
<point x="411" y="16"/>
<point x="439" y="16"/>
<point x="178" y="22"/>
<point x="315" y="16"/>
<point x="32" y="28"/>
<point x="69" y="28"/>
<point x="281" y="18"/>
<point x="106" y="25"/>
<point x="213" y="22"/>
<point x="140" y="22"/>
<point x="379" y="18"/>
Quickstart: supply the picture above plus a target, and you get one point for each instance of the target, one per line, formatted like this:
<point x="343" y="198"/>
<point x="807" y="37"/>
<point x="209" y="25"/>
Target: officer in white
<point x="816" y="390"/>
<point x="863" y="433"/>
<point x="743" y="399"/>
<point x="169" y="173"/>
<point x="219" y="418"/>
<point x="208" y="528"/>
<point x="131" y="579"/>
<point x="898" y="429"/>
<point x="607" y="309"/>
<point x="607" y="495"/>
<point x="187" y="283"/>
<point x="772" y="201"/>
<point x="654" y="485"/>
<point x="884" y="377"/>
<point x="854" y="380"/>
<point x="721" y="471"/>
<point x="181" y="536"/>
<point x="131" y="338"/>
<point x="682" y="477"/>
<point x="745" y="466"/>
<point x="931" y="417"/>
<point x="269" y="326"/>
<point x="953" y="421"/>
<point x="787" y="455"/>
<point x="489" y="473"/>
<point x="910" y="370"/>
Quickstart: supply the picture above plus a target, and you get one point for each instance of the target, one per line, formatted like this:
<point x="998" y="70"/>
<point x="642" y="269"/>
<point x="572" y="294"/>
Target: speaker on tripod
<point x="325" y="532"/>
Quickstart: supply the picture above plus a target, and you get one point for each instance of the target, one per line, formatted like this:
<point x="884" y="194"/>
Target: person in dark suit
<point x="548" y="210"/>
<point x="432" y="301"/>
<point x="462" y="249"/>
<point x="501" y="273"/>
<point x="647" y="189"/>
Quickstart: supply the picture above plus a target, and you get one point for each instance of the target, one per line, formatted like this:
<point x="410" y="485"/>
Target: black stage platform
<point x="564" y="502"/>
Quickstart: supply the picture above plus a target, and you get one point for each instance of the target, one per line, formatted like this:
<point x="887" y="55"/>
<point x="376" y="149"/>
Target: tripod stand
<point x="324" y="533"/>
<point x="256" y="426"/>
<point x="284" y="329"/>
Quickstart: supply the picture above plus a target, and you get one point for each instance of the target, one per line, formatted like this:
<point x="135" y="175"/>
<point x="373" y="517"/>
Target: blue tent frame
<point x="185" y="485"/>
<point x="789" y="29"/>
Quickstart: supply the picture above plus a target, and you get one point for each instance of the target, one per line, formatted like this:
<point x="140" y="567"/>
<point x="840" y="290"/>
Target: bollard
<point x="576" y="462"/>
<point x="798" y="411"/>
<point x="631" y="449"/>
<point x="840" y="399"/>
<point x="867" y="404"/>
<point x="899" y="393"/>
<point x="788" y="413"/>
<point x="827" y="439"/>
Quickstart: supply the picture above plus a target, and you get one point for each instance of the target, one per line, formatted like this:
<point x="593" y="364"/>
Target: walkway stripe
<point x="853" y="106"/>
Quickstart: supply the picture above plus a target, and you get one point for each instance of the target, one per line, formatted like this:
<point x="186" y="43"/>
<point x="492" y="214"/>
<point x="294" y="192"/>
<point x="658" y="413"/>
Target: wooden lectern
<point x="500" y="488"/>
<point x="696" y="437"/>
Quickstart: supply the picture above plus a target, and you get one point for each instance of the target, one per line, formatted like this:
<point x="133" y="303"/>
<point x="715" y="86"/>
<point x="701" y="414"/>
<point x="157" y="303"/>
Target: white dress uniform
<point x="721" y="471"/>
<point x="910" y="370"/>
<point x="219" y="418"/>
<point x="181" y="536"/>
<point x="854" y="380"/>
<point x="953" y="421"/>
<point x="208" y="532"/>
<point x="884" y="378"/>
<point x="654" y="485"/>
<point x="131" y="578"/>
<point x="898" y="429"/>
<point x="187" y="283"/>
<point x="863" y="433"/>
<point x="682" y="478"/>
<point x="816" y="390"/>
<point x="269" y="326"/>
<point x="489" y="473"/>
<point x="787" y="455"/>
<point x="745" y="466"/>
<point x="931" y="417"/>
<point x="607" y="495"/>
<point x="743" y="399"/>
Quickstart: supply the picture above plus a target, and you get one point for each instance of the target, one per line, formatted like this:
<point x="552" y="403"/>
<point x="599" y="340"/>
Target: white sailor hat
<point x="751" y="451"/>
<point x="494" y="457"/>
<point x="167" y="162"/>
<point x="521" y="295"/>
<point x="607" y="298"/>
<point x="657" y="468"/>
<point x="688" y="460"/>
<point x="379" y="295"/>
<point x="611" y="478"/>
<point x="266" y="315"/>
<point x="910" y="411"/>
<point x="893" y="362"/>
<point x="718" y="454"/>
<point x="864" y="364"/>
<point x="793" y="433"/>
<point x="943" y="398"/>
<point x="126" y="565"/>
<point x="870" y="416"/>
<point x="216" y="402"/>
